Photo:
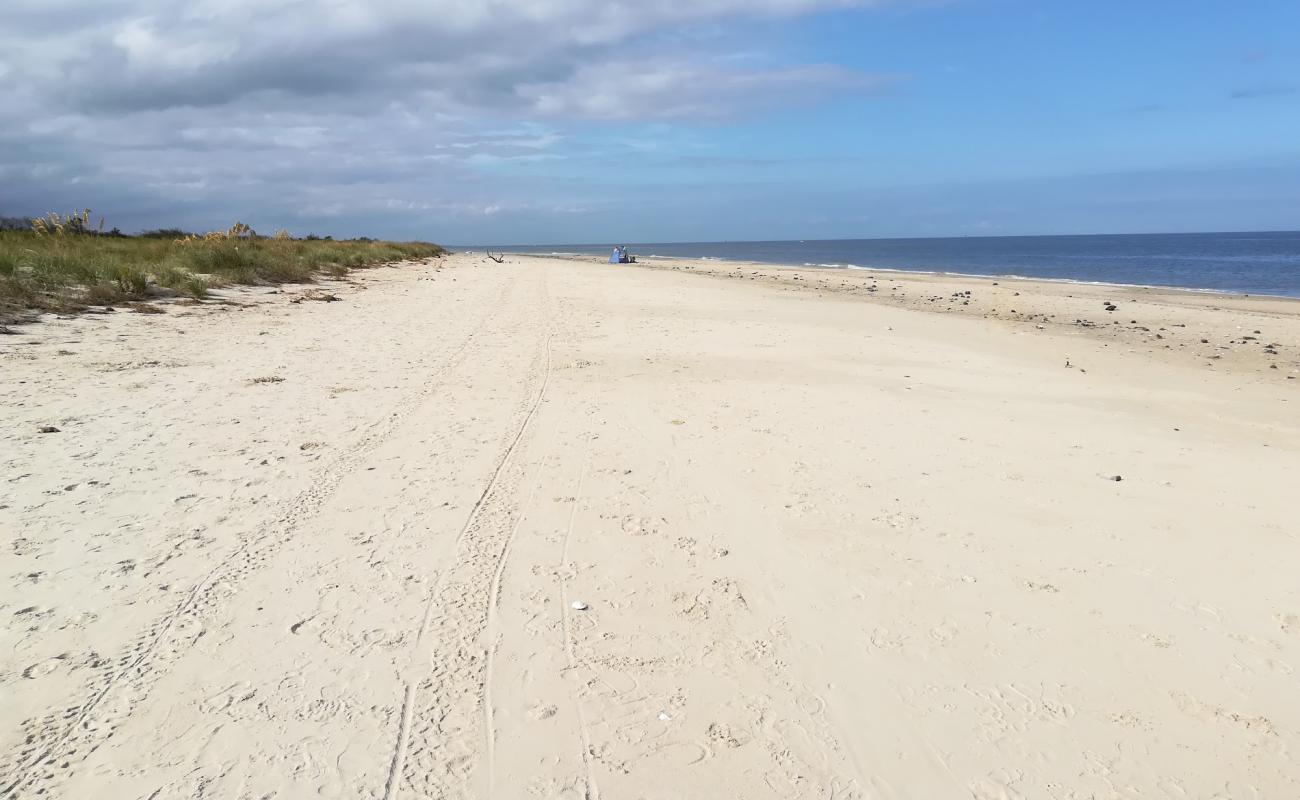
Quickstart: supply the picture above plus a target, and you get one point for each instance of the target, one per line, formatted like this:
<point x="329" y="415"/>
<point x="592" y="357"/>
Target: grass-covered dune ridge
<point x="60" y="264"/>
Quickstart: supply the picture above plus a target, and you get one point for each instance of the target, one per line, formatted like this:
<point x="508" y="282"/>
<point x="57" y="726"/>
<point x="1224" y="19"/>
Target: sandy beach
<point x="559" y="529"/>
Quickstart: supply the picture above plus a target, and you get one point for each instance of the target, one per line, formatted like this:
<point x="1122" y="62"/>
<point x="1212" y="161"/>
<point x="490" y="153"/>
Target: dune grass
<point x="64" y="270"/>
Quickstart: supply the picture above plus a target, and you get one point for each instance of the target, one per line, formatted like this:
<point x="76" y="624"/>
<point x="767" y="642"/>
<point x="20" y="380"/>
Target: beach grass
<point x="66" y="267"/>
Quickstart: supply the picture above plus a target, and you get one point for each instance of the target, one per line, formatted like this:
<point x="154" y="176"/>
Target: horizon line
<point x="626" y="242"/>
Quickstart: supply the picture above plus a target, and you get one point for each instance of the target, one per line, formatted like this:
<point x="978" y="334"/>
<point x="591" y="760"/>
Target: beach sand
<point x="560" y="529"/>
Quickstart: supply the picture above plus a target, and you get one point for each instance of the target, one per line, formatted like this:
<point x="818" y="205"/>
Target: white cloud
<point x="685" y="91"/>
<point x="145" y="50"/>
<point x="163" y="53"/>
<point x="245" y="104"/>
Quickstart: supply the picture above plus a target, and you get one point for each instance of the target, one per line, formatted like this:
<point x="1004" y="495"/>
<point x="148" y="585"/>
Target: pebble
<point x="48" y="429"/>
<point x="578" y="605"/>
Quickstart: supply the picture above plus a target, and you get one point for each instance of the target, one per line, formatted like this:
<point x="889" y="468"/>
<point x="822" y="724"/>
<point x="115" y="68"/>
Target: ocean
<point x="1249" y="263"/>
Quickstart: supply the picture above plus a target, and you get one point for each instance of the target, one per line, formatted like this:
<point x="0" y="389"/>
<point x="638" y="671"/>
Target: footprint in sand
<point x="724" y="594"/>
<point x="944" y="632"/>
<point x="1156" y="640"/>
<point x="729" y="736"/>
<point x="674" y="755"/>
<point x="639" y="526"/>
<point x="542" y="711"/>
<point x="228" y="698"/>
<point x="383" y="637"/>
<point x="43" y="668"/>
<point x="898" y="520"/>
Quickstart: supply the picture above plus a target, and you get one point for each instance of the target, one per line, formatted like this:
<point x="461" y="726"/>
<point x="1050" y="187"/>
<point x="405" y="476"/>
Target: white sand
<point x="830" y="546"/>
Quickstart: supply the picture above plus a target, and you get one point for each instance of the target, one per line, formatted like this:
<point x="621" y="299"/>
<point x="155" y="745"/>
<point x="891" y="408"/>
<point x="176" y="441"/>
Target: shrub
<point x="103" y="294"/>
<point x="8" y="263"/>
<point x="66" y="264"/>
<point x="181" y="281"/>
<point x="130" y="280"/>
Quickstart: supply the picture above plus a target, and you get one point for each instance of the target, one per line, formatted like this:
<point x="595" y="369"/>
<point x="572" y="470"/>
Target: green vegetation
<point x="61" y="264"/>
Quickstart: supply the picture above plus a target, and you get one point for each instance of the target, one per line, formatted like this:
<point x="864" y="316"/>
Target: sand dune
<point x="565" y="530"/>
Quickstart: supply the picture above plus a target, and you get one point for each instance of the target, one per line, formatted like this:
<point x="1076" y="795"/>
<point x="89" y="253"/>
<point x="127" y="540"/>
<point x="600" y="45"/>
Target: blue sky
<point x="574" y="121"/>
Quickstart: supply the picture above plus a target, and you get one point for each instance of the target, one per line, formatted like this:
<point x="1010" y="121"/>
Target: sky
<point x="569" y="121"/>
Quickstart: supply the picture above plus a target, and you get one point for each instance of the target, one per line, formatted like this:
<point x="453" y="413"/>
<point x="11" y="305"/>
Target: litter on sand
<point x="578" y="605"/>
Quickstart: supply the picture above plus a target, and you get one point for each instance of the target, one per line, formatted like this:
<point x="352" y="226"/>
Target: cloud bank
<point x="405" y="114"/>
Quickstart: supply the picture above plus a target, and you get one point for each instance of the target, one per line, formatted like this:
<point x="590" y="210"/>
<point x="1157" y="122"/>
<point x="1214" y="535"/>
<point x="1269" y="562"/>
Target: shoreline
<point x="898" y="270"/>
<point x="1222" y="332"/>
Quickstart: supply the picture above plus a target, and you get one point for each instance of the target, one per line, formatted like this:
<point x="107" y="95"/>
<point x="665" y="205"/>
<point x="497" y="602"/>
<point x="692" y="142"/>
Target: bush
<point x="50" y="271"/>
<point x="103" y="294"/>
<point x="131" y="281"/>
<point x="8" y="263"/>
<point x="181" y="280"/>
<point x="230" y="261"/>
<point x="68" y="266"/>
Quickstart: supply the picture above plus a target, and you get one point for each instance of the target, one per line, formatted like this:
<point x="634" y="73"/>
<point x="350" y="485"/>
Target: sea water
<point x="1250" y="263"/>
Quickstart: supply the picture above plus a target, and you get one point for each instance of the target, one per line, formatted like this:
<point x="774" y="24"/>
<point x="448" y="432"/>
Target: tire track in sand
<point x="593" y="790"/>
<point x="493" y="634"/>
<point x="61" y="739"/>
<point x="438" y="709"/>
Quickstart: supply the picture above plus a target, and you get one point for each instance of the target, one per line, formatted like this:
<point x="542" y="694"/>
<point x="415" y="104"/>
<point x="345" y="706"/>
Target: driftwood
<point x="499" y="259"/>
